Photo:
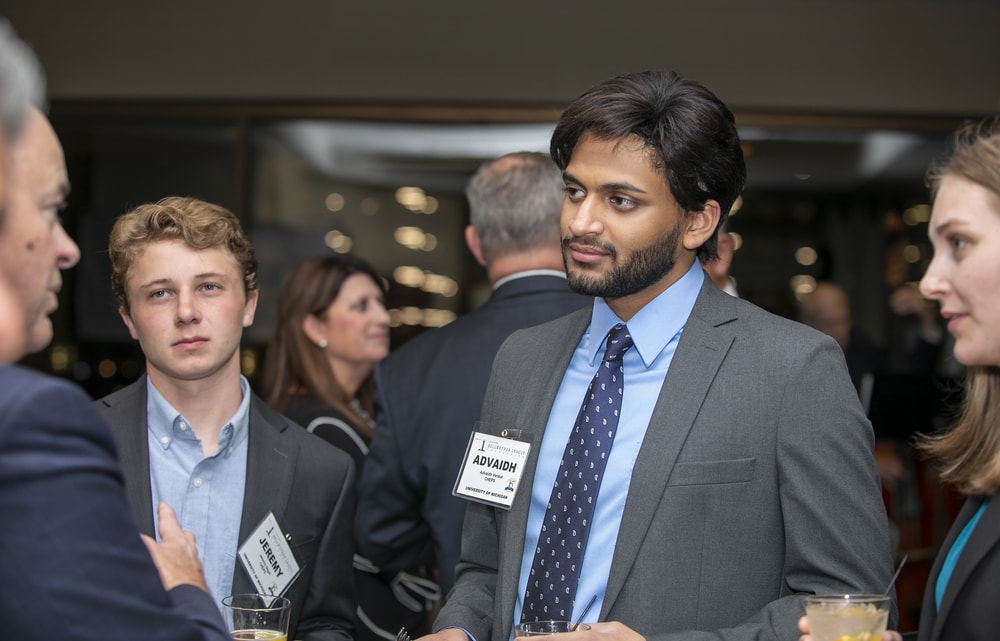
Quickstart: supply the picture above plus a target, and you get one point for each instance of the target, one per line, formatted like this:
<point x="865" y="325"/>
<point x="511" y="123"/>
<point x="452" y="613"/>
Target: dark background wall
<point x="852" y="56"/>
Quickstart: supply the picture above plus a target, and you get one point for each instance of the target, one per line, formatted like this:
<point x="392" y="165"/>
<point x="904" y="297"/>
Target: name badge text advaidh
<point x="491" y="470"/>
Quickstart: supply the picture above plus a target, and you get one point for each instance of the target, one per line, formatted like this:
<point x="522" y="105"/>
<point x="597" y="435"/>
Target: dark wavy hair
<point x="690" y="132"/>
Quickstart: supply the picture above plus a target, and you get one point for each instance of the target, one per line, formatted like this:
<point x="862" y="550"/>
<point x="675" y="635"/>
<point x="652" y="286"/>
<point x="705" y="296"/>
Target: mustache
<point x="587" y="241"/>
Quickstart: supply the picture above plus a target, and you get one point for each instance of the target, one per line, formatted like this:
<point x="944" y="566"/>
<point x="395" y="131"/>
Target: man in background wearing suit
<point x="430" y="391"/>
<point x="718" y="268"/>
<point x="74" y="565"/>
<point x="737" y="463"/>
<point x="192" y="433"/>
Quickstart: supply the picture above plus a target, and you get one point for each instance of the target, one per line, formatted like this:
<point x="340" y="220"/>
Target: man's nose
<point x="67" y="251"/>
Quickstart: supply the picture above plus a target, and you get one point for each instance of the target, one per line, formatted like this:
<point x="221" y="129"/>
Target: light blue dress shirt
<point x="655" y="331"/>
<point x="206" y="492"/>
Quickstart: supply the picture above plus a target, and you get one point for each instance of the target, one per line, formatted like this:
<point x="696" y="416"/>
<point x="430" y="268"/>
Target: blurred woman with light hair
<point x="963" y="590"/>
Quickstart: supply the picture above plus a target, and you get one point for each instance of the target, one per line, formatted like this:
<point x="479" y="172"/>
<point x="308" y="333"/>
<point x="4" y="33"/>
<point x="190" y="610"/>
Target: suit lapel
<point x="271" y="462"/>
<point x="126" y="414"/>
<point x="982" y="540"/>
<point x="700" y="353"/>
<point x="929" y="612"/>
<point x="544" y="376"/>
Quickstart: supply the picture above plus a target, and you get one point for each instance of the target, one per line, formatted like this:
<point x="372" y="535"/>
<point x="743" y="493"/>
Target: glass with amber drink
<point x="257" y="617"/>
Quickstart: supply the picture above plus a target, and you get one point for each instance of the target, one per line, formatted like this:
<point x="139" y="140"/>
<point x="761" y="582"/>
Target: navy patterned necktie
<point x="555" y="570"/>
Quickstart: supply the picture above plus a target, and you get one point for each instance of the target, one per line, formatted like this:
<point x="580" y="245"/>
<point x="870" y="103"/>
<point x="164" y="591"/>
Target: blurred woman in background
<point x="963" y="589"/>
<point x="332" y="329"/>
<point x="964" y="277"/>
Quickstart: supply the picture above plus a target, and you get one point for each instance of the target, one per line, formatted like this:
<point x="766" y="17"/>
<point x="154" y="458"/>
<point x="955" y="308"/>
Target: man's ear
<point x="700" y="225"/>
<point x="128" y="323"/>
<point x="250" y="308"/>
<point x="472" y="240"/>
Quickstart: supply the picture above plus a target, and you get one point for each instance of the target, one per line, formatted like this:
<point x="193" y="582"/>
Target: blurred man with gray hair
<point x="21" y="85"/>
<point x="71" y="551"/>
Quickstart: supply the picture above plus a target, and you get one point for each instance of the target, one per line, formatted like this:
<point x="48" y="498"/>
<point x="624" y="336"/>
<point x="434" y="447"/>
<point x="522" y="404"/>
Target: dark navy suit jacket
<point x="969" y="606"/>
<point x="72" y="565"/>
<point x="429" y="395"/>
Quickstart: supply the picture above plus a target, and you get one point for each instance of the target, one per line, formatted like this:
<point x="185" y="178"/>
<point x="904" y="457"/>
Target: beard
<point x="635" y="271"/>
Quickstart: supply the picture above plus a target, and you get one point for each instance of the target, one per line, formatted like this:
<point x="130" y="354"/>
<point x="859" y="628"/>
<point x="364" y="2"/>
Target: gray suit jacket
<point x="755" y="483"/>
<point x="307" y="483"/>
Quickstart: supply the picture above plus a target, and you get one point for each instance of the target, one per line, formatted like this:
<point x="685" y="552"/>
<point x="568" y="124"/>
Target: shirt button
<point x="197" y="482"/>
<point x="165" y="440"/>
<point x="182" y="425"/>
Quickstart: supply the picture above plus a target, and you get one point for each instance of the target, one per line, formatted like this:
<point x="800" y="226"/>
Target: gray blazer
<point x="755" y="483"/>
<point x="307" y="483"/>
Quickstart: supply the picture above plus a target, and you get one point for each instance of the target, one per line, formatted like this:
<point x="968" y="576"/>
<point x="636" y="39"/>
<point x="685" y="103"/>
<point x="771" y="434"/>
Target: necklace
<point x="360" y="411"/>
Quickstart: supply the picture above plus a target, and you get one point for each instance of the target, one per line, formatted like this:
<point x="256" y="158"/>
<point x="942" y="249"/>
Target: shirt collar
<point x="653" y="326"/>
<point x="165" y="423"/>
<point x="529" y="272"/>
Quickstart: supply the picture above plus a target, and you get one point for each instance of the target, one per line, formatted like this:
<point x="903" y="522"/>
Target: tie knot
<point x="619" y="341"/>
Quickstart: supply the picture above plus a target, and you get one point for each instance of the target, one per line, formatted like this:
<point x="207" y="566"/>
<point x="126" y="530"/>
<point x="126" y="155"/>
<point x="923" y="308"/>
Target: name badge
<point x="267" y="558"/>
<point x="491" y="470"/>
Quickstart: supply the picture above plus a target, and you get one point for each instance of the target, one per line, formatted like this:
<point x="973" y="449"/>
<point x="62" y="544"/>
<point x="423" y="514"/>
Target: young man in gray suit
<point x="430" y="391"/>
<point x="737" y="463"/>
<point x="192" y="433"/>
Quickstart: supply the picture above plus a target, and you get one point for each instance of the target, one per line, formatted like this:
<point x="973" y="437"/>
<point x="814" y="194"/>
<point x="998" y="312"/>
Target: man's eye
<point x="51" y="214"/>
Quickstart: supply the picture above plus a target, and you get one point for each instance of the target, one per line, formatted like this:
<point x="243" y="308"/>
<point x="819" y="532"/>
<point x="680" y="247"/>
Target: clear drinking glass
<point x="847" y="617"/>
<point x="537" y="628"/>
<point x="257" y="616"/>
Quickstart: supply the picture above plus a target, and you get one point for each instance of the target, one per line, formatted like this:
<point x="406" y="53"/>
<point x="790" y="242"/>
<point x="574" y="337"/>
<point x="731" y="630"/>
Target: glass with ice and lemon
<point x="847" y="617"/>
